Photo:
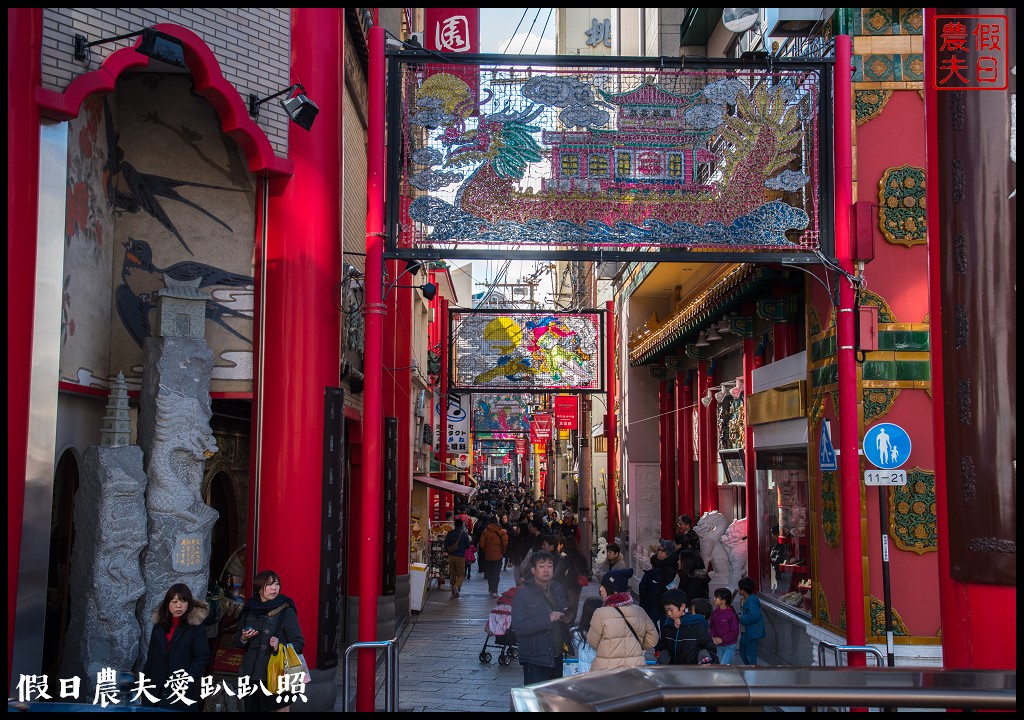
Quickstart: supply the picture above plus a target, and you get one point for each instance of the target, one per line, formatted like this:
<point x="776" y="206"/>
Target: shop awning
<point x="445" y="485"/>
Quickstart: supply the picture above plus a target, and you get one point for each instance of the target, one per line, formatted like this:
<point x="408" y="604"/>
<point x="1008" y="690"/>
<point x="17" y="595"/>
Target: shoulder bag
<point x="635" y="636"/>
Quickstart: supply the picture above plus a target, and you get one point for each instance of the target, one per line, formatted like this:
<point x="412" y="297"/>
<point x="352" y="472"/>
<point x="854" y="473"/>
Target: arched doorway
<point x="58" y="584"/>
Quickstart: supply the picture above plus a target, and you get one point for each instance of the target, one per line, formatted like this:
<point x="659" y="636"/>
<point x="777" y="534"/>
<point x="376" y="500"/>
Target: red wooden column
<point x="707" y="443"/>
<point x="684" y="443"/>
<point x="301" y="339"/>
<point x="666" y="444"/>
<point x="744" y="326"/>
<point x="784" y="328"/>
<point x="24" y="75"/>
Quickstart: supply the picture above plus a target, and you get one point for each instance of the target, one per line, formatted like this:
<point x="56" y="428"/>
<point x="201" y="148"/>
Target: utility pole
<point x="532" y="284"/>
<point x="585" y="287"/>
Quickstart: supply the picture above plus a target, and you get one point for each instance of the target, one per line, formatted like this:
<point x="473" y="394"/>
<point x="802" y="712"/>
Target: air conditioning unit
<point x="797" y="22"/>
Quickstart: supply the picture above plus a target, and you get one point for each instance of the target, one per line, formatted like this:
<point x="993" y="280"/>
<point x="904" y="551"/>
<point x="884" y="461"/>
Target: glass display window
<point x="784" y="545"/>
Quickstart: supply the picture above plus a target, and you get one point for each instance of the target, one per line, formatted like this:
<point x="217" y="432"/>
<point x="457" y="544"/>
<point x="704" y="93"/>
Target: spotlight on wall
<point x="737" y="391"/>
<point x="713" y="335"/>
<point x="706" y="400"/>
<point x="723" y="390"/>
<point x="155" y="44"/>
<point x="300" y="108"/>
<point x="702" y="340"/>
<point x="429" y="289"/>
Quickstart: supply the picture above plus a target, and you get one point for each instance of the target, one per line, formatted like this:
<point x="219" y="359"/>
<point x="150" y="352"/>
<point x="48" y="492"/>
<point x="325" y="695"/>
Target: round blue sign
<point x="887" y="446"/>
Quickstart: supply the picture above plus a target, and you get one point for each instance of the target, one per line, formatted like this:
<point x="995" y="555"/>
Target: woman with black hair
<point x="178" y="643"/>
<point x="694" y="580"/>
<point x="268" y="621"/>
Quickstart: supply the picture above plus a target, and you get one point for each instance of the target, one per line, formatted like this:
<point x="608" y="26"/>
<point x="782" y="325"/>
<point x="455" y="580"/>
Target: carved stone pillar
<point x="175" y="435"/>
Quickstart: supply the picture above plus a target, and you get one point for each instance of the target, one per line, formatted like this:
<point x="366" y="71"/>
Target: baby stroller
<point x="499" y="627"/>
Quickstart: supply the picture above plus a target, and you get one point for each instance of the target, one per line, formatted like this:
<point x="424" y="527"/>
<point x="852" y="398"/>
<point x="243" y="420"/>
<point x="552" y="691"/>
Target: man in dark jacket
<point x="456" y="542"/>
<point x="664" y="568"/>
<point x="539" y="617"/>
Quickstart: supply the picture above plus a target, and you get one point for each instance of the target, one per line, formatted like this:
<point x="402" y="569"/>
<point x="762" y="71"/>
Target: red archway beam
<point x="209" y="82"/>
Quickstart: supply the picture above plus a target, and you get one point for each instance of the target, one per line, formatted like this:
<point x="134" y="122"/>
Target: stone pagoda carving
<point x="110" y="534"/>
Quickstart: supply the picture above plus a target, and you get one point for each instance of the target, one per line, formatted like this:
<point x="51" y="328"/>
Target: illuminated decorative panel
<point x="502" y="412"/>
<point x="526" y="352"/>
<point x="609" y="156"/>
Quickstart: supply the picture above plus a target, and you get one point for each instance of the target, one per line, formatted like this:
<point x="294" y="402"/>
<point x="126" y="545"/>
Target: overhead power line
<point x="507" y="45"/>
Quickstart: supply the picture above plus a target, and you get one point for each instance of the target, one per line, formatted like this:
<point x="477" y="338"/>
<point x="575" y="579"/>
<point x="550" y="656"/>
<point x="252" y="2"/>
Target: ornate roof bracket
<point x="697" y="353"/>
<point x="659" y="372"/>
<point x="741" y="325"/>
<point x="779" y="310"/>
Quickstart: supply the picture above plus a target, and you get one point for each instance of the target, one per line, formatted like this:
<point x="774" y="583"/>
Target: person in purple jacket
<point x="725" y="625"/>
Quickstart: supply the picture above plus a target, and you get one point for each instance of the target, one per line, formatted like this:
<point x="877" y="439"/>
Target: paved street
<point x="439" y="664"/>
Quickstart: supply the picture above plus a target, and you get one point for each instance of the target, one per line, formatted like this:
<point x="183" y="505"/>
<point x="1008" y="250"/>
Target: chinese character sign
<point x="455" y="425"/>
<point x="971" y="52"/>
<point x="454" y="30"/>
<point x="567" y="411"/>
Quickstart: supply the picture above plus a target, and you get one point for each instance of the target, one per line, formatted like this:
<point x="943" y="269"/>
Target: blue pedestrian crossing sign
<point x="887" y="446"/>
<point x="826" y="453"/>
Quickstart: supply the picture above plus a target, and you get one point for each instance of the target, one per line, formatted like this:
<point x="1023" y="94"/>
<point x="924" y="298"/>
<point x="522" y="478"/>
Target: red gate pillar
<point x="612" y="429"/>
<point x="854" y="560"/>
<point x="301" y="334"/>
<point x="24" y="73"/>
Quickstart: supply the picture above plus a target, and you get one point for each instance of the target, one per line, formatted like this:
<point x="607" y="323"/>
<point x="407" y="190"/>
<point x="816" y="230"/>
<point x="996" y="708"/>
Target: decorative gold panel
<point x="780" y="403"/>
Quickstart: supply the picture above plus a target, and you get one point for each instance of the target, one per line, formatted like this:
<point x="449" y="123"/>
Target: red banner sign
<point x="520" y="447"/>
<point x="455" y="30"/>
<point x="540" y="428"/>
<point x="567" y="412"/>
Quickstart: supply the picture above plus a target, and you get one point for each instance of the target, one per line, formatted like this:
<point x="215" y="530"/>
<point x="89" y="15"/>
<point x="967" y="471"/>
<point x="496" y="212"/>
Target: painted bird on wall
<point x="131" y="190"/>
<point x="141" y="278"/>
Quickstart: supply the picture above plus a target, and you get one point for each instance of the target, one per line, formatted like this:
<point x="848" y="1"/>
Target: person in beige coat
<point x="620" y="631"/>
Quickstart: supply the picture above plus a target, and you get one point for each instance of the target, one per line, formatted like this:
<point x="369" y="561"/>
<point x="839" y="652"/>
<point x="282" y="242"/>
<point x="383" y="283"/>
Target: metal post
<point x="391" y="682"/>
<point x="883" y="521"/>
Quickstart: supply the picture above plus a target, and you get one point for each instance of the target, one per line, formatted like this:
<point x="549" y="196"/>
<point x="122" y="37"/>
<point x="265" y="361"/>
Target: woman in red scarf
<point x="620" y="631"/>
<point x="178" y="650"/>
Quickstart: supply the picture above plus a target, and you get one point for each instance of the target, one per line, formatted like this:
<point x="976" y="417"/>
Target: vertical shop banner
<point x="455" y="30"/>
<point x="455" y="425"/>
<point x="567" y="412"/>
<point x="540" y="428"/>
<point x="333" y="579"/>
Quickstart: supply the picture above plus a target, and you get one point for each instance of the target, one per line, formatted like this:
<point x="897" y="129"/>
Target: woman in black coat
<point x="268" y="621"/>
<point x="178" y="643"/>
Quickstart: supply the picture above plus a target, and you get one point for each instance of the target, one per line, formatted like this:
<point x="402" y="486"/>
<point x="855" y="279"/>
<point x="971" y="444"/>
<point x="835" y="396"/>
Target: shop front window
<point x="784" y="547"/>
